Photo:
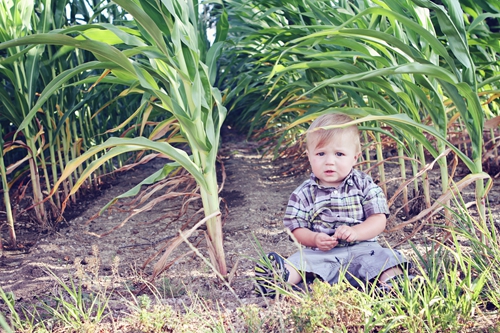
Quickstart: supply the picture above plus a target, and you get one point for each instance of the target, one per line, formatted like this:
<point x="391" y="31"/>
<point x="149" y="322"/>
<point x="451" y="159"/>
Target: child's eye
<point x="320" y="154"/>
<point x="339" y="154"/>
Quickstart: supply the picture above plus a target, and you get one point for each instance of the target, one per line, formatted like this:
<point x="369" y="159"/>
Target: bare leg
<point x="389" y="273"/>
<point x="294" y="276"/>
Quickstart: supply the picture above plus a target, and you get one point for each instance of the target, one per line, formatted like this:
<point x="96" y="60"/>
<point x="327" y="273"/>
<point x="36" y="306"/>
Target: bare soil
<point x="255" y="193"/>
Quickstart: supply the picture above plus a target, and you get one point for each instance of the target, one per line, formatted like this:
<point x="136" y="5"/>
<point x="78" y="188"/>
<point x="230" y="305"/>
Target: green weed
<point x="73" y="308"/>
<point x="337" y="308"/>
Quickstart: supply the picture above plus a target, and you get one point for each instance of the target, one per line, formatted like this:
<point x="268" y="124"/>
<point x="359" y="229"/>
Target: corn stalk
<point x="6" y="197"/>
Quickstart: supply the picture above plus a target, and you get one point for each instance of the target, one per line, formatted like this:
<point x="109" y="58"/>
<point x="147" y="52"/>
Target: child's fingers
<point x="345" y="233"/>
<point x="353" y="236"/>
<point x="339" y="234"/>
<point x="327" y="243"/>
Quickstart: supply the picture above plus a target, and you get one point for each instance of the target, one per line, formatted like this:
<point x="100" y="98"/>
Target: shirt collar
<point x="347" y="180"/>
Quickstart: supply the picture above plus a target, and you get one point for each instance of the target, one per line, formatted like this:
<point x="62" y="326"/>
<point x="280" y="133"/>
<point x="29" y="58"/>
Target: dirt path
<point x="255" y="194"/>
<point x="255" y="199"/>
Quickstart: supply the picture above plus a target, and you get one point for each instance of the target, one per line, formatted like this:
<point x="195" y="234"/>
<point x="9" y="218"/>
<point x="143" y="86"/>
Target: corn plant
<point x="162" y="60"/>
<point x="61" y="127"/>
<point x="21" y="74"/>
<point x="434" y="78"/>
<point x="385" y="59"/>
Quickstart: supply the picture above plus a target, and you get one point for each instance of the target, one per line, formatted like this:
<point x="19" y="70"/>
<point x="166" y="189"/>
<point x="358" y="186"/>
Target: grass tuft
<point x="337" y="308"/>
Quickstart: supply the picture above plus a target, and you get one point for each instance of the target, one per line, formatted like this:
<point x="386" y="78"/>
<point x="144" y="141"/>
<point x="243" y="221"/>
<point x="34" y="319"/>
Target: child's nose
<point x="330" y="159"/>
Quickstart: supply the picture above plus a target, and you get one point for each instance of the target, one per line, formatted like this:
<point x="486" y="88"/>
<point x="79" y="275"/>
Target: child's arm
<point x="311" y="238"/>
<point x="370" y="228"/>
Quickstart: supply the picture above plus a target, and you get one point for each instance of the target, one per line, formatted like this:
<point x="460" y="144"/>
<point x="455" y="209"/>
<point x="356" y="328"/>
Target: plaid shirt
<point x="323" y="209"/>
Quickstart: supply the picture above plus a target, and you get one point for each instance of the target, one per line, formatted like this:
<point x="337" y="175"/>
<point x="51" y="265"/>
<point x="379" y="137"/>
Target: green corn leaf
<point x="146" y="22"/>
<point x="480" y="19"/>
<point x="391" y="40"/>
<point x="16" y="56"/>
<point x="113" y="35"/>
<point x="56" y="84"/>
<point x="118" y="146"/>
<point x="408" y="149"/>
<point x="412" y="68"/>
<point x="402" y="121"/>
<point x="410" y="126"/>
<point x="116" y="80"/>
<point x="453" y="28"/>
<point x="337" y="65"/>
<point x="213" y="55"/>
<point x="10" y="110"/>
<point x="32" y="70"/>
<point x="102" y="50"/>
<point x="46" y="18"/>
<point x="147" y="81"/>
<point x="103" y="32"/>
<point x="222" y="27"/>
<point x="475" y="116"/>
<point x="22" y="14"/>
<point x="68" y="113"/>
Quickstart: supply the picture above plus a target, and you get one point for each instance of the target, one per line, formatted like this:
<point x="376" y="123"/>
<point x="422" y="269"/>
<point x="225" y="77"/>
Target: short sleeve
<point x="297" y="213"/>
<point x="374" y="201"/>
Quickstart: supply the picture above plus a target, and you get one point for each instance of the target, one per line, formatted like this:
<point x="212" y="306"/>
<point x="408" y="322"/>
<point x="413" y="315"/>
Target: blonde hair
<point x="319" y="138"/>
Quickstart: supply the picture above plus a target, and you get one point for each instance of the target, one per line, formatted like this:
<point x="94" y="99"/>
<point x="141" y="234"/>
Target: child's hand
<point x="325" y="242"/>
<point x="346" y="233"/>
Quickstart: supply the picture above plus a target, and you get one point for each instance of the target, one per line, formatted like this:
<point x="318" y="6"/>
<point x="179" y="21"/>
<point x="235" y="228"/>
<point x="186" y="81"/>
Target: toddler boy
<point x="336" y="215"/>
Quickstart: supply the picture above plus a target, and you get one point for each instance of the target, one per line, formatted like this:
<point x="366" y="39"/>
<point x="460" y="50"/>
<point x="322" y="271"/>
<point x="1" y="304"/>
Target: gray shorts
<point x="364" y="261"/>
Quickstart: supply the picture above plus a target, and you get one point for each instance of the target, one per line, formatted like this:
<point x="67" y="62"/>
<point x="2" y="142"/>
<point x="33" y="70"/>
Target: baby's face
<point x="333" y="161"/>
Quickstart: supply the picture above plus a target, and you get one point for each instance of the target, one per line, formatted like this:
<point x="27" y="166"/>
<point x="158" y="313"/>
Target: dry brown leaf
<point x="492" y="123"/>
<point x="161" y="264"/>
